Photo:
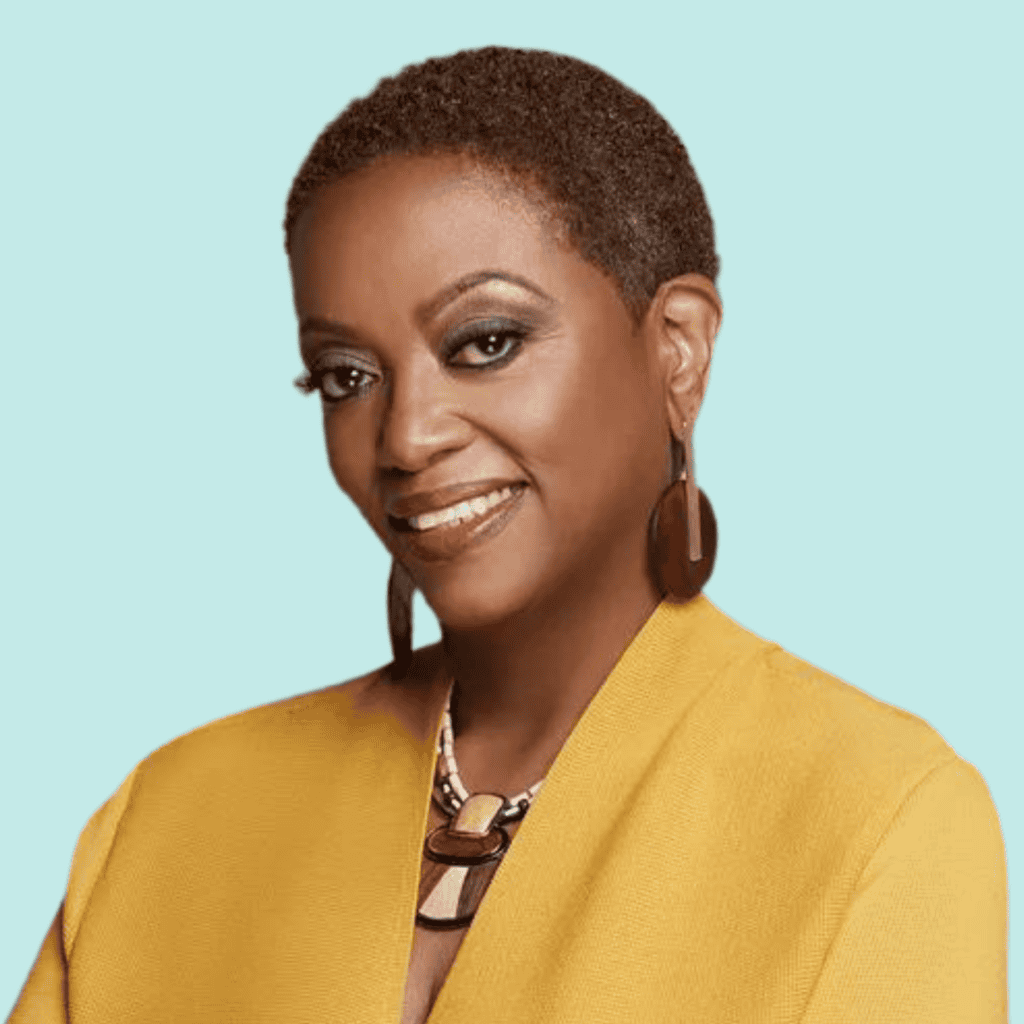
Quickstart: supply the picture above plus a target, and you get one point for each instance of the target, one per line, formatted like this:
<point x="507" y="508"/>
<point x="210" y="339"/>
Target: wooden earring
<point x="400" y="590"/>
<point x="684" y="534"/>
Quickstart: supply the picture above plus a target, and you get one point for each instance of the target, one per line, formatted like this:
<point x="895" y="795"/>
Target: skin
<point x="583" y="412"/>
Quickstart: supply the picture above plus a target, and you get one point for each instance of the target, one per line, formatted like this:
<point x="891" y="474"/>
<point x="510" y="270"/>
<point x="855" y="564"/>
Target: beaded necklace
<point x="461" y="856"/>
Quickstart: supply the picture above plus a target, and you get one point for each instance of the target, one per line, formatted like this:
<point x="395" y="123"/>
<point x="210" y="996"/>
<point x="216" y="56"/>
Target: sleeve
<point x="44" y="999"/>
<point x="925" y="936"/>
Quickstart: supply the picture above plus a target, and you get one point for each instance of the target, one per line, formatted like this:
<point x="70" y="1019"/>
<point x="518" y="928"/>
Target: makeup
<point x="443" y="524"/>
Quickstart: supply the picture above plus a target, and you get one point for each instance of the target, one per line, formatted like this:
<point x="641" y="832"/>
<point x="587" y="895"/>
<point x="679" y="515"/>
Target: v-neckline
<point x="620" y="707"/>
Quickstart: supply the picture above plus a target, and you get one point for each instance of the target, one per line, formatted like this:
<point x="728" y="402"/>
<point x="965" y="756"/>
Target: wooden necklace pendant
<point x="459" y="860"/>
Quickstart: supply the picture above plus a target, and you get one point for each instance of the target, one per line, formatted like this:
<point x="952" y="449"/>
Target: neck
<point x="523" y="684"/>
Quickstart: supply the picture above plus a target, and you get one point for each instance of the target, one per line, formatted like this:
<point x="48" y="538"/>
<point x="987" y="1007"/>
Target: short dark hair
<point x="619" y="177"/>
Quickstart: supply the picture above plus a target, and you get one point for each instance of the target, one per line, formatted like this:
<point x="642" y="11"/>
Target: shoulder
<point x="277" y="748"/>
<point x="309" y="723"/>
<point x="816" y="716"/>
<point x="303" y="720"/>
<point x="827" y="782"/>
<point x="774" y="698"/>
<point x="761" y="698"/>
<point x="256" y="770"/>
<point x="813" y="747"/>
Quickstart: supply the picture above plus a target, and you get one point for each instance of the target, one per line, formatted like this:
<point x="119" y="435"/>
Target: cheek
<point x="615" y="456"/>
<point x="586" y="422"/>
<point x="350" y="454"/>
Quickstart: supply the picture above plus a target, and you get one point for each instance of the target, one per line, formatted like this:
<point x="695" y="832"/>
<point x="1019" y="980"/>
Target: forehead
<point x="412" y="223"/>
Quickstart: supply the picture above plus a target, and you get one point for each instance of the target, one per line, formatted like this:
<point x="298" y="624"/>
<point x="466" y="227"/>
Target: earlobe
<point x="686" y="315"/>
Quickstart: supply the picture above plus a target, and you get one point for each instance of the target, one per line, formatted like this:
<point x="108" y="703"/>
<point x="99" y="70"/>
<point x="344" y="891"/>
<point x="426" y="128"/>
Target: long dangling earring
<point x="684" y="534"/>
<point x="400" y="590"/>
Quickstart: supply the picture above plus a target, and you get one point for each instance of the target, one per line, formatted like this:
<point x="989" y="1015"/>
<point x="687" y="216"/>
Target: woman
<point x="607" y="798"/>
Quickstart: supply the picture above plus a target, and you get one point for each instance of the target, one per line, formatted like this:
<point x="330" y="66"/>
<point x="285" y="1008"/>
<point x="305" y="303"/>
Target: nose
<point x="422" y="421"/>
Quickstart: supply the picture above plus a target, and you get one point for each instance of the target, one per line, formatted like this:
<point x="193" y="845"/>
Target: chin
<point x="477" y="594"/>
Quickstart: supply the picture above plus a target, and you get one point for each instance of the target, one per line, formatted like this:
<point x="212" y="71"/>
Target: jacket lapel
<point x="539" y="897"/>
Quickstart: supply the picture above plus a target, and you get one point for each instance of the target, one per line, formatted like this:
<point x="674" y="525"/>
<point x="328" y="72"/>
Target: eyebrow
<point x="320" y="323"/>
<point x="430" y="308"/>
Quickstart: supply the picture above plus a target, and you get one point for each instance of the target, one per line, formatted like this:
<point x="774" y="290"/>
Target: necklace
<point x="461" y="856"/>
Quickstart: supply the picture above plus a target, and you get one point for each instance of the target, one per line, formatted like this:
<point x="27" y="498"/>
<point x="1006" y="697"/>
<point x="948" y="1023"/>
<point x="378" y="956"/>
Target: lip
<point x="442" y="497"/>
<point x="445" y="542"/>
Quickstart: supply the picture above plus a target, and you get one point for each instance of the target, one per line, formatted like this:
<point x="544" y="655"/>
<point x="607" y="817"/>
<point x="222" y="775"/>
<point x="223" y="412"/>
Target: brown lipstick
<point x="438" y="525"/>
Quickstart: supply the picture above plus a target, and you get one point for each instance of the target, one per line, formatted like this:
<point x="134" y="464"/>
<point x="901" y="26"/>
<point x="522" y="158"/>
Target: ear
<point x="683" y="321"/>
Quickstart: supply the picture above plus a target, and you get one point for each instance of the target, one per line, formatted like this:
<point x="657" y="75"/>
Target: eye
<point x="340" y="382"/>
<point x="337" y="379"/>
<point x="485" y="345"/>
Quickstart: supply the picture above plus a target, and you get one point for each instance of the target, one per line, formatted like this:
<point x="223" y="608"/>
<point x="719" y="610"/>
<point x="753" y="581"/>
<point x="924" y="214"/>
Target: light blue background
<point x="174" y="549"/>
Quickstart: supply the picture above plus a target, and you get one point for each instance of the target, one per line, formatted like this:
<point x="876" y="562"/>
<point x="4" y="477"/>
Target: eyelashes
<point x="483" y="345"/>
<point x="337" y="376"/>
<point x="335" y="383"/>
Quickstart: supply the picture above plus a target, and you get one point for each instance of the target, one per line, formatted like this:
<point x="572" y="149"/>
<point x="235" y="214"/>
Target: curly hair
<point x="616" y="173"/>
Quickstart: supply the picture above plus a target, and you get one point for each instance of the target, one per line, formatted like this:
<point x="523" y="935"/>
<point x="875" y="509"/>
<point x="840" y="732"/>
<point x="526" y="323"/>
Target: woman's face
<point x="488" y="403"/>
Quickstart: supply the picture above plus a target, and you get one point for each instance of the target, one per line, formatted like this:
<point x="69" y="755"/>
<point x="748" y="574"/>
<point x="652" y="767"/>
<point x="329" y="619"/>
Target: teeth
<point x="461" y="512"/>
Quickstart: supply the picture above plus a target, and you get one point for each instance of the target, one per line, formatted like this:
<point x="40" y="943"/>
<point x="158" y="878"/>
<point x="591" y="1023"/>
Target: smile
<point x="462" y="512"/>
<point x="445" y="531"/>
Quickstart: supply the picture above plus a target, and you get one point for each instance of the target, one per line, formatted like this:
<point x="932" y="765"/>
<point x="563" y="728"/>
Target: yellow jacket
<point x="728" y="835"/>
